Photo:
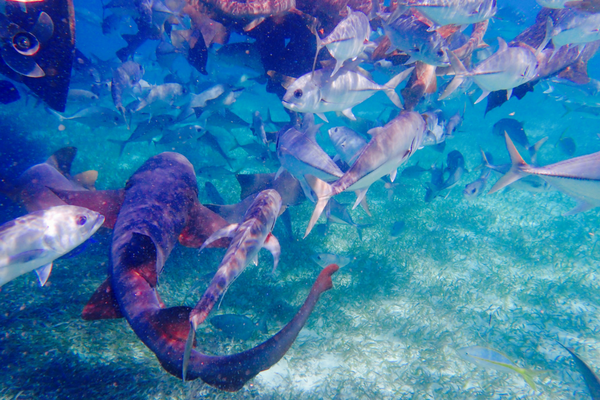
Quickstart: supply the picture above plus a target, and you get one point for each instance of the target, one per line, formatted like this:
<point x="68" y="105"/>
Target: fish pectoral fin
<point x="322" y="116"/>
<point x="227" y="231"/>
<point x="272" y="244"/>
<point x="43" y="273"/>
<point x="483" y="96"/>
<point x="87" y="179"/>
<point x="254" y="261"/>
<point x="393" y="174"/>
<point x="348" y="113"/>
<point x="27" y="256"/>
<point x="581" y="207"/>
<point x="254" y="24"/>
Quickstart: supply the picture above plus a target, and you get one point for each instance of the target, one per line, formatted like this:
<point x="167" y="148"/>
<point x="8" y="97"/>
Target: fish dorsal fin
<point x="43" y="273"/>
<point x="62" y="159"/>
<point x="375" y="131"/>
<point x="284" y="80"/>
<point x="102" y="304"/>
<point x="87" y="179"/>
<point x="502" y="44"/>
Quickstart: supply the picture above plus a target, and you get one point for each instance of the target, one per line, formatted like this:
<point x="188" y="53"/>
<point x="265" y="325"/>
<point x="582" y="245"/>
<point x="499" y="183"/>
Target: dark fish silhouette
<point x="591" y="379"/>
<point x="514" y="129"/>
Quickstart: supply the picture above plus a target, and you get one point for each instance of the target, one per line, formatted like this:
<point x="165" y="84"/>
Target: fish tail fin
<point x="460" y="72"/>
<point x="527" y="375"/>
<point x="567" y="110"/>
<point x="320" y="45"/>
<point x="515" y="173"/>
<point x="324" y="192"/>
<point x="60" y="117"/>
<point x="121" y="143"/>
<point x="360" y="227"/>
<point x="390" y="87"/>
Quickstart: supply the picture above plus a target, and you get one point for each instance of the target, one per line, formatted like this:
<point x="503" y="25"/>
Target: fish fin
<point x="515" y="173"/>
<point x="365" y="206"/>
<point x="322" y="116"/>
<point x="43" y="273"/>
<point x="189" y="344"/>
<point x="261" y="325"/>
<point x="227" y="231"/>
<point x="360" y="195"/>
<point x="338" y="65"/>
<point x="202" y="223"/>
<point x="272" y="244"/>
<point x="533" y="150"/>
<point x="253" y="261"/>
<point x="502" y="44"/>
<point x="324" y="192"/>
<point x="582" y="206"/>
<point x="319" y="46"/>
<point x="359" y="229"/>
<point x="254" y="24"/>
<point x="509" y="93"/>
<point x="87" y="179"/>
<point x="121" y="143"/>
<point x="393" y="174"/>
<point x="547" y="36"/>
<point x="62" y="159"/>
<point x="102" y="304"/>
<point x="348" y="113"/>
<point x="279" y="172"/>
<point x="483" y="96"/>
<point x="390" y="86"/>
<point x="106" y="202"/>
<point x="375" y="131"/>
<point x="460" y="72"/>
<point x="527" y="375"/>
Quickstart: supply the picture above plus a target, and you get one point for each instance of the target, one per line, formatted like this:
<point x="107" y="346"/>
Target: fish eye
<point x="440" y="53"/>
<point x="298" y="93"/>
<point x="81" y="220"/>
<point x="22" y="42"/>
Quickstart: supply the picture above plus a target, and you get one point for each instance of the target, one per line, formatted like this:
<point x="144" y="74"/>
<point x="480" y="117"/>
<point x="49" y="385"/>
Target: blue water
<point x="506" y="271"/>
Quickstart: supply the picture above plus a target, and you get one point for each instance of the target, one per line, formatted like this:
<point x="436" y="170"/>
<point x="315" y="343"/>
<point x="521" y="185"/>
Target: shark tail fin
<point x="390" y="87"/>
<point x="515" y="173"/>
<point x="324" y="192"/>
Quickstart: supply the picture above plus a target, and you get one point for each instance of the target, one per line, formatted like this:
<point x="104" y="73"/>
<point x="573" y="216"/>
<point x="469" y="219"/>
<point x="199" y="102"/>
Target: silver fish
<point x="389" y="148"/>
<point x="506" y="69"/>
<point x="94" y="117"/>
<point x="317" y="92"/>
<point x="337" y="213"/>
<point x="407" y="33"/>
<point x="347" y="40"/>
<point x="552" y="3"/>
<point x="300" y="154"/>
<point x="34" y="241"/>
<point x="124" y="79"/>
<point x="475" y="189"/>
<point x="457" y="12"/>
<point x="348" y="143"/>
<point x="161" y="98"/>
<point x="575" y="27"/>
<point x="578" y="177"/>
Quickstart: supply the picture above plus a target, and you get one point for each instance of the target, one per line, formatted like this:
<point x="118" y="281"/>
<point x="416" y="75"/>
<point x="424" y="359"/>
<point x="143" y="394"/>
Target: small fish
<point x="324" y="259"/>
<point x="181" y="134"/>
<point x="577" y="177"/>
<point x="413" y="171"/>
<point x="454" y="123"/>
<point x="457" y="12"/>
<point x="397" y="229"/>
<point x="124" y="79"/>
<point x="347" y="40"/>
<point x="161" y="98"/>
<point x="489" y="358"/>
<point x="34" y="241"/>
<point x="238" y="327"/>
<point x="146" y="131"/>
<point x="81" y="96"/>
<point x="390" y="146"/>
<point x="514" y="129"/>
<point x="506" y="69"/>
<point x="348" y="143"/>
<point x="317" y="92"/>
<point x="552" y="3"/>
<point x="591" y="379"/>
<point x="566" y="144"/>
<point x="213" y="193"/>
<point x="475" y="189"/>
<point x="94" y="117"/>
<point x="337" y="213"/>
<point x="575" y="27"/>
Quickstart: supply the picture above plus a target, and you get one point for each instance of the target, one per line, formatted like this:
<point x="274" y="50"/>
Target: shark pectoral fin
<point x="348" y="113"/>
<point x="272" y="244"/>
<point x="393" y="174"/>
<point x="581" y="207"/>
<point x="87" y="179"/>
<point x="227" y="231"/>
<point x="515" y="173"/>
<point x="360" y="195"/>
<point x="483" y="96"/>
<point x="324" y="192"/>
<point x="323" y="117"/>
<point x="102" y="304"/>
<point x="43" y="273"/>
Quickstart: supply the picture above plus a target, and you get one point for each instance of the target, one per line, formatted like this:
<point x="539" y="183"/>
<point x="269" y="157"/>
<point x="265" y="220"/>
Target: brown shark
<point x="161" y="207"/>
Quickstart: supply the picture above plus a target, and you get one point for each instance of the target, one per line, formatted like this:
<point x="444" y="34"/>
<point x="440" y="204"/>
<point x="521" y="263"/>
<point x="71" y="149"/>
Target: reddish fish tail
<point x="516" y="170"/>
<point x="230" y="373"/>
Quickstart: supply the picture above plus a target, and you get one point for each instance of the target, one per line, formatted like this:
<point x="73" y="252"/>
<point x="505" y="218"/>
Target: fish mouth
<point x="288" y="105"/>
<point x="98" y="224"/>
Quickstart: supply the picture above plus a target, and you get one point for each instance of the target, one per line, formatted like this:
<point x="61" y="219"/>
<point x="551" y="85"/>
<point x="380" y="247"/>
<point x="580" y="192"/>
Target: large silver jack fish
<point x="34" y="241"/>
<point x="578" y="177"/>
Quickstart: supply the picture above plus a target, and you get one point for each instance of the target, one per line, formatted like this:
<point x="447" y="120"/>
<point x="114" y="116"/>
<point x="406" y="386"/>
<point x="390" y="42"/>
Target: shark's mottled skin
<point x="160" y="206"/>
